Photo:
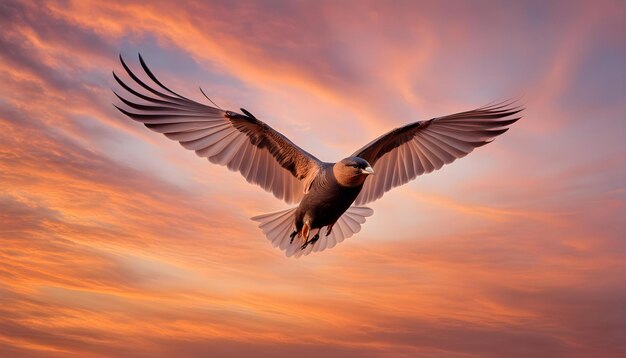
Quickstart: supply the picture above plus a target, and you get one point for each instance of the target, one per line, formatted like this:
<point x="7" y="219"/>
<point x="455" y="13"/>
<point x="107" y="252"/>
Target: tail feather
<point x="277" y="227"/>
<point x="274" y="225"/>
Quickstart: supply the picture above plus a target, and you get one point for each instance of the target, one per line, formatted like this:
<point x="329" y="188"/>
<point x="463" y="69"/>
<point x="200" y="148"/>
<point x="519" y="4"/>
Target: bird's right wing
<point x="239" y="141"/>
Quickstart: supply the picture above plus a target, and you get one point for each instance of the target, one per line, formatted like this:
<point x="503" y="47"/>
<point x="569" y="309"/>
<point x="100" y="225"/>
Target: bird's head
<point x="352" y="171"/>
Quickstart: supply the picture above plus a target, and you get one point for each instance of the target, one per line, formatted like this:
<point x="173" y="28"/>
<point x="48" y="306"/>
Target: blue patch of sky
<point x="601" y="79"/>
<point x="128" y="150"/>
<point x="168" y="61"/>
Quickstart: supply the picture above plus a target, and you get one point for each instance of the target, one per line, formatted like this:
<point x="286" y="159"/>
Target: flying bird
<point x="330" y="196"/>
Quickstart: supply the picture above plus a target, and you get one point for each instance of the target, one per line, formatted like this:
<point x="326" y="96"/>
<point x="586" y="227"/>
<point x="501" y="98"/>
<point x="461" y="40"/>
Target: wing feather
<point x="240" y="142"/>
<point x="422" y="147"/>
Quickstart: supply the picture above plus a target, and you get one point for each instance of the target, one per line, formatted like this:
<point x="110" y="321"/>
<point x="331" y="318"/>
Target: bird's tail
<point x="277" y="227"/>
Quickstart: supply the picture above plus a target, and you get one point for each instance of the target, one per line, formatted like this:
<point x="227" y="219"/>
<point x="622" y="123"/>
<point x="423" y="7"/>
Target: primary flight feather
<point x="329" y="195"/>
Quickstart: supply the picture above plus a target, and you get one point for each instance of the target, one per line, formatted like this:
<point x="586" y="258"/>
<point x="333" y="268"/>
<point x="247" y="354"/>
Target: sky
<point x="115" y="241"/>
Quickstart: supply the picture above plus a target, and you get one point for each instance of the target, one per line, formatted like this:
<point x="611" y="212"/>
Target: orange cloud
<point x="115" y="242"/>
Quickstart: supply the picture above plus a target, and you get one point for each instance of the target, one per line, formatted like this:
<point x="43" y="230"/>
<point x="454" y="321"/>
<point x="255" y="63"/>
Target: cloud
<point x="115" y="241"/>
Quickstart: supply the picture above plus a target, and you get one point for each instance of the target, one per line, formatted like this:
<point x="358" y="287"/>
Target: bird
<point x="329" y="198"/>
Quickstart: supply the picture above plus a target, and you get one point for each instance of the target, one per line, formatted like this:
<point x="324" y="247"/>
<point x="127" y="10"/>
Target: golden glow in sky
<point x="115" y="241"/>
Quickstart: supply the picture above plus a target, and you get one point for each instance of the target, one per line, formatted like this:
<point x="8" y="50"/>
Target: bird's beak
<point x="367" y="170"/>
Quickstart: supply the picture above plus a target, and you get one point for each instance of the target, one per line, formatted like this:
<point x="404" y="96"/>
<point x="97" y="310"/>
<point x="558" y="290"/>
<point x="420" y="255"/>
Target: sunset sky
<point x="115" y="241"/>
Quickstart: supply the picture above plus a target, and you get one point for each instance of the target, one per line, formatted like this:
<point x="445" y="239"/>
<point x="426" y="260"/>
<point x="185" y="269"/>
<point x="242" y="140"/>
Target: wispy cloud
<point x="115" y="241"/>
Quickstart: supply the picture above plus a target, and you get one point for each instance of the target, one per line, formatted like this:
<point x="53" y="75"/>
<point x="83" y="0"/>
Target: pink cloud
<point x="114" y="241"/>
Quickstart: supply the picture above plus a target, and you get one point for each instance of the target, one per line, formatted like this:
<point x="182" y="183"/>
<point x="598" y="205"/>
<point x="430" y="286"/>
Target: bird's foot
<point x="310" y="242"/>
<point x="330" y="229"/>
<point x="292" y="236"/>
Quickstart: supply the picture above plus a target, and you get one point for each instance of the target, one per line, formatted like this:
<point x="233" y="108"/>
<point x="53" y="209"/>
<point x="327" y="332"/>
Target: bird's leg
<point x="292" y="236"/>
<point x="330" y="229"/>
<point x="316" y="237"/>
<point x="312" y="241"/>
<point x="306" y="230"/>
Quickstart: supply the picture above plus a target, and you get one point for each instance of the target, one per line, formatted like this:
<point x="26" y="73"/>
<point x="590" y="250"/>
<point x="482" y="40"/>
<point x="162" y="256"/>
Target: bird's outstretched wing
<point x="239" y="141"/>
<point x="421" y="147"/>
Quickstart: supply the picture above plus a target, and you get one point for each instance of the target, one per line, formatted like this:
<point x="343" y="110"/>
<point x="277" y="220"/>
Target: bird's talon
<point x="310" y="242"/>
<point x="292" y="236"/>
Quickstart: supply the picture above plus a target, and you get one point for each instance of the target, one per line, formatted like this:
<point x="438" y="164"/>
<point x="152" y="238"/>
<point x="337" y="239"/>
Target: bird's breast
<point x="324" y="204"/>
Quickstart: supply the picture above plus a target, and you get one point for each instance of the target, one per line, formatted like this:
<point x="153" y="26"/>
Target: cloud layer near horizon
<point x="115" y="241"/>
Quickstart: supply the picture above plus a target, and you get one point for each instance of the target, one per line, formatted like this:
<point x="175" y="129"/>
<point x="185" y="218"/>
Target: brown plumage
<point x="325" y="192"/>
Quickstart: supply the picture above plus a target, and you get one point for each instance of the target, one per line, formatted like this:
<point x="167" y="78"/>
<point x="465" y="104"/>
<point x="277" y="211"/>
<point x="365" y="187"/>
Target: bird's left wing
<point x="421" y="147"/>
<point x="239" y="141"/>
